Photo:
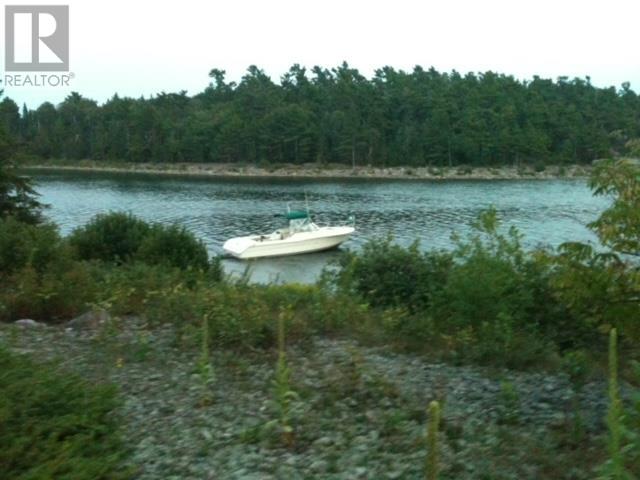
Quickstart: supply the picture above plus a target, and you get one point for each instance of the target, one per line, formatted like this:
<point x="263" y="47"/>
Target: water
<point x="547" y="212"/>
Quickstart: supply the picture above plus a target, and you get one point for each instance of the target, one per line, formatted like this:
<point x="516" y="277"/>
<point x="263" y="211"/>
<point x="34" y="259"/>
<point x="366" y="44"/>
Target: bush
<point x="55" y="425"/>
<point x="132" y="288"/>
<point x="387" y="275"/>
<point x="488" y="301"/>
<point x="61" y="293"/>
<point x="245" y="316"/>
<point x="597" y="288"/>
<point x="173" y="245"/>
<point x="121" y="238"/>
<point x="112" y="237"/>
<point x="24" y="245"/>
<point x="38" y="277"/>
<point x="54" y="295"/>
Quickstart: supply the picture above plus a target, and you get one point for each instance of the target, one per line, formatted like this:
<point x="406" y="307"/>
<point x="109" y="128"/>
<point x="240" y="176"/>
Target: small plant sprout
<point x="282" y="392"/>
<point x="432" y="466"/>
<point x="205" y="369"/>
<point x="614" y="467"/>
<point x="575" y="364"/>
<point x="509" y="403"/>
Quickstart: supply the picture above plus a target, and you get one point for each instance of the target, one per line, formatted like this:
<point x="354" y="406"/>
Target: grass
<point x="283" y="394"/>
<point x="56" y="425"/>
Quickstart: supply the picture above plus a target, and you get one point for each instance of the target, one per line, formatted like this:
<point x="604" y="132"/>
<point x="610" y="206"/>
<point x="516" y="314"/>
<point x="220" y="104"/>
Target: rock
<point x="28" y="323"/>
<point x="89" y="320"/>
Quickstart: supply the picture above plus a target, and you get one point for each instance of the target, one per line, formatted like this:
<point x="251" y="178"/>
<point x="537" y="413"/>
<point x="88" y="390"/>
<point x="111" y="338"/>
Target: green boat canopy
<point x="294" y="215"/>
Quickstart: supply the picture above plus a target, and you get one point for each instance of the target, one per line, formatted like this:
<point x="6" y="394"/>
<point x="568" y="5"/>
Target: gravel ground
<point x="358" y="412"/>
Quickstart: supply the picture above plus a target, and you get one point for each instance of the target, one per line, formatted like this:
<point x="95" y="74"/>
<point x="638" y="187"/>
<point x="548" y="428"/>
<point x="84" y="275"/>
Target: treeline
<point x="417" y="118"/>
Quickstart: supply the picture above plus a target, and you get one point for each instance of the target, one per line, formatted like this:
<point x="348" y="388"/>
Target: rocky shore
<point x="331" y="171"/>
<point x="358" y="411"/>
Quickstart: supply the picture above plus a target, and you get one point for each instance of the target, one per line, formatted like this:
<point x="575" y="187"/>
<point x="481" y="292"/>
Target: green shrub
<point x="483" y="289"/>
<point x="56" y="294"/>
<point x="598" y="290"/>
<point x="386" y="275"/>
<point x="55" y="425"/>
<point x="500" y="296"/>
<point x="39" y="278"/>
<point x="121" y="238"/>
<point x="137" y="288"/>
<point x="488" y="301"/>
<point x="24" y="245"/>
<point x="602" y="287"/>
<point x="61" y="293"/>
<point x="111" y="237"/>
<point x="245" y="316"/>
<point x="173" y="245"/>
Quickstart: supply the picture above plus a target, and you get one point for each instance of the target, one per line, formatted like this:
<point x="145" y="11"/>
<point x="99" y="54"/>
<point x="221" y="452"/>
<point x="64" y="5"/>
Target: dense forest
<point x="418" y="118"/>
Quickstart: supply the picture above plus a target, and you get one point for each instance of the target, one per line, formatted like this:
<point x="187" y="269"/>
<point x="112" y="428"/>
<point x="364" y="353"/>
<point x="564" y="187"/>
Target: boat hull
<point x="302" y="242"/>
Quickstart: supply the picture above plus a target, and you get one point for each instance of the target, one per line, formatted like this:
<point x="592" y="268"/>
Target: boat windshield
<point x="301" y="225"/>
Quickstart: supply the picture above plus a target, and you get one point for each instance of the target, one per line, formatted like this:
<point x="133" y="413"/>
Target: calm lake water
<point x="547" y="212"/>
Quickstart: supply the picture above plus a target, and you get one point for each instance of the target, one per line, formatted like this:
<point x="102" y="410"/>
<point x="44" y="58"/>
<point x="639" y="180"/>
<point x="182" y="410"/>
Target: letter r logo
<point x="36" y="38"/>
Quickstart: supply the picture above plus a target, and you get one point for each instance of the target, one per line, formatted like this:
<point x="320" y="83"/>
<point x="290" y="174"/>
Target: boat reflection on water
<point x="303" y="269"/>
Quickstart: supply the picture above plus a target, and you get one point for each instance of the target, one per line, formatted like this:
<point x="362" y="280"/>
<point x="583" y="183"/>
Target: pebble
<point x="354" y="432"/>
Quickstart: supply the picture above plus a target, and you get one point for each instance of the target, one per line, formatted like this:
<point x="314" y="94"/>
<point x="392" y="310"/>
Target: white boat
<point x="301" y="236"/>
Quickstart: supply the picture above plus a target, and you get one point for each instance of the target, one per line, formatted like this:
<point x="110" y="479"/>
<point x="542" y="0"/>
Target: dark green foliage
<point x="17" y="196"/>
<point x="598" y="288"/>
<point x="244" y="316"/>
<point x="497" y="295"/>
<point x="39" y="278"/>
<point x="603" y="288"/>
<point x="619" y="226"/>
<point x="311" y="311"/>
<point x="23" y="244"/>
<point x="121" y="237"/>
<point x="492" y="302"/>
<point x="55" y="425"/>
<point x="136" y="288"/>
<point x="173" y="245"/>
<point x="387" y="275"/>
<point x="110" y="237"/>
<point x="418" y="118"/>
<point x="488" y="281"/>
<point x="61" y="292"/>
<point x="54" y="295"/>
<point x="487" y="302"/>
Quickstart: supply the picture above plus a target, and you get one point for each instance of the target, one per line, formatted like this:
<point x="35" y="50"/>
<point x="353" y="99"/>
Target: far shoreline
<point x="319" y="172"/>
